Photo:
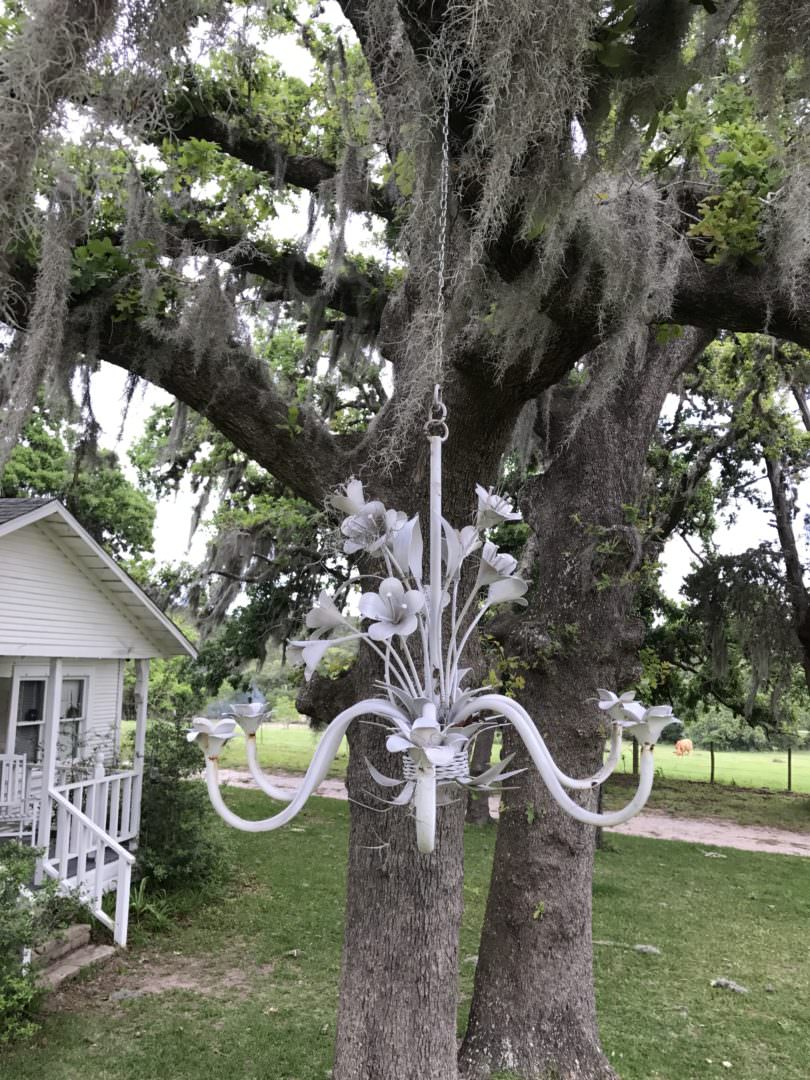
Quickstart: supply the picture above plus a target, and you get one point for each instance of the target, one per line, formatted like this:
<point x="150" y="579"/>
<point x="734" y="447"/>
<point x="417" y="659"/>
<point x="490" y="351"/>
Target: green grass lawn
<point x="244" y="985"/>
<point x="691" y="798"/>
<point x="753" y="769"/>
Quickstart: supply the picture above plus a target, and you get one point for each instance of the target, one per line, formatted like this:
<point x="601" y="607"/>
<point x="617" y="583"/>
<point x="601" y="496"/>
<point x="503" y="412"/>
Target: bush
<point x="720" y="726"/>
<point x="28" y="917"/>
<point x="179" y="843"/>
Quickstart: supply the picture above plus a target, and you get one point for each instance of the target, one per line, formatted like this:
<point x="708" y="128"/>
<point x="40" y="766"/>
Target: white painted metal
<point x="315" y="775"/>
<point x="433" y="719"/>
<point x="435" y="623"/>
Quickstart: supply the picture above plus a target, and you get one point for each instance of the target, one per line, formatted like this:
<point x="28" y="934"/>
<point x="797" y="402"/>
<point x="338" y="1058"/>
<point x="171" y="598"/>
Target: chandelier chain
<point x="444" y="190"/>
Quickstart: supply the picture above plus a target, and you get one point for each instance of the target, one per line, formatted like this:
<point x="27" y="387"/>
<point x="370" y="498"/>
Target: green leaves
<point x="98" y="263"/>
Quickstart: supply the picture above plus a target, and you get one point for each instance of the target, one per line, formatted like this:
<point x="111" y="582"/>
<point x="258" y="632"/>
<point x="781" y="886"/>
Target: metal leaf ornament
<point x="432" y="720"/>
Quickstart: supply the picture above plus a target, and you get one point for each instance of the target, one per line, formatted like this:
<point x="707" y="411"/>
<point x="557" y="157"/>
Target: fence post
<point x="790" y="768"/>
<point x="635" y="756"/>
<point x="711" y="758"/>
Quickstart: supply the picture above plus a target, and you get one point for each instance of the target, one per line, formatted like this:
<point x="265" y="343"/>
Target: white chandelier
<point x="430" y="717"/>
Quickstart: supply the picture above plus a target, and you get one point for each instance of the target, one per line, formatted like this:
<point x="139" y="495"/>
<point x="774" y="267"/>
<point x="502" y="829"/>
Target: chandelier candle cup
<point x="432" y="719"/>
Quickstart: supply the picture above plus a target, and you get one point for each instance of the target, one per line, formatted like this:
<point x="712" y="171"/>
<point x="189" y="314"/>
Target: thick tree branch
<point x="235" y="392"/>
<point x="289" y="275"/>
<point x="783" y="512"/>
<point x="671" y="517"/>
<point x="300" y="170"/>
<point x="731" y="298"/>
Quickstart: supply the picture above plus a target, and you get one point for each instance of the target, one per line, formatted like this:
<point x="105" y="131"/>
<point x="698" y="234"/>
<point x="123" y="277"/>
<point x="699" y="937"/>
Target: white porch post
<point x="53" y="702"/>
<point x="141" y="710"/>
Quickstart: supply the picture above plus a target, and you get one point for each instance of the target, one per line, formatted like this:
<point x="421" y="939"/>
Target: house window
<point x="71" y="714"/>
<point x="31" y="719"/>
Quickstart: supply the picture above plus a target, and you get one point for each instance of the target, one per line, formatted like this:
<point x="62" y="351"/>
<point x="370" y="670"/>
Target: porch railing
<point x="84" y="856"/>
<point x="107" y="801"/>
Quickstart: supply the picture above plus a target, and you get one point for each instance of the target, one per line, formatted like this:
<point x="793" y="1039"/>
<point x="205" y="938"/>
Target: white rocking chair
<point x="16" y="815"/>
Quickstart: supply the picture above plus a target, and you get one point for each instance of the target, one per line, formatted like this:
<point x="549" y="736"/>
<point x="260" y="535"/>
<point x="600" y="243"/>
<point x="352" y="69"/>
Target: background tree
<point x="52" y="459"/>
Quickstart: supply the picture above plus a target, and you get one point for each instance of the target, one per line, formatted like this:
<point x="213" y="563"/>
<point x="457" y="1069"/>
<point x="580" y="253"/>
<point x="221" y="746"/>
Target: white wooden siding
<point x="100" y="728"/>
<point x="51" y="607"/>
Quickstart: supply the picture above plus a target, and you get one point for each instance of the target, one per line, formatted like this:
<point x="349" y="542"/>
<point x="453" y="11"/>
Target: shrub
<point x="28" y="917"/>
<point x="720" y="726"/>
<point x="179" y="842"/>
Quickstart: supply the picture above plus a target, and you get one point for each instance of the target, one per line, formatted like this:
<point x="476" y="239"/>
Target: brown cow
<point x="683" y="746"/>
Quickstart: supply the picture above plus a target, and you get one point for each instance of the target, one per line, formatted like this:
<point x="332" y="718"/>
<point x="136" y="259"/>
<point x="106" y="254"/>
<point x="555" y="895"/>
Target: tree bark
<point x="398" y="991"/>
<point x="478" y="806"/>
<point x="533" y="1010"/>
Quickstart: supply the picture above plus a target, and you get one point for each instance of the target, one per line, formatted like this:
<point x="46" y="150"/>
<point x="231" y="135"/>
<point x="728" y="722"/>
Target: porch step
<point x="66" y="941"/>
<point x="74" y="963"/>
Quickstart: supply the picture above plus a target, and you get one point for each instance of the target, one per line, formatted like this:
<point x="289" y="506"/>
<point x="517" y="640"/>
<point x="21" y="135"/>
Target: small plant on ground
<point x="28" y="917"/>
<point x="149" y="909"/>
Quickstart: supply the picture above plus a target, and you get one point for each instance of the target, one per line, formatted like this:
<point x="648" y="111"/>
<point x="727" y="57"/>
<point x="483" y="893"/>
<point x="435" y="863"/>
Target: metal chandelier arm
<point x="584" y="783"/>
<point x="257" y="773"/>
<point x="607" y="770"/>
<point x="315" y="774"/>
<point x="539" y="753"/>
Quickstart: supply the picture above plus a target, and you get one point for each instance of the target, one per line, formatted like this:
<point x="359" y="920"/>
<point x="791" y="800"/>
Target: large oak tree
<point x="611" y="173"/>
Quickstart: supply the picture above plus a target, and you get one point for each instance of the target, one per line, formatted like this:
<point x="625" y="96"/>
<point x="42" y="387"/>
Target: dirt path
<point x="658" y="826"/>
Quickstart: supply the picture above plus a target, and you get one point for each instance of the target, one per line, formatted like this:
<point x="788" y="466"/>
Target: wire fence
<point x="775" y="770"/>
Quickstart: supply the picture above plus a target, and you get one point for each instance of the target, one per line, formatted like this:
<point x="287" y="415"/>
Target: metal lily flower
<point x="432" y="719"/>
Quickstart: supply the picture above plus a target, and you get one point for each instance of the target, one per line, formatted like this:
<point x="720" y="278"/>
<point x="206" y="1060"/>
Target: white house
<point x="70" y="622"/>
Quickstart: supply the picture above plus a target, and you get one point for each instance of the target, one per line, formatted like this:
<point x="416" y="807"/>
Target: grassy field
<point x="244" y="984"/>
<point x="753" y="769"/>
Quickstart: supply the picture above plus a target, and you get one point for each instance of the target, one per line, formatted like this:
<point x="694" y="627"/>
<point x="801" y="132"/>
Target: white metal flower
<point x="393" y="610"/>
<point x="250" y="715"/>
<point x="457" y="546"/>
<point x="406" y="546"/>
<point x="493" y="509"/>
<point x="325" y="615"/>
<point x="431" y="719"/>
<point x="425" y="741"/>
<point x="371" y="528"/>
<point x="646" y="725"/>
<point x="612" y="703"/>
<point x="211" y="734"/>
<point x="309" y="653"/>
<point x="495" y="565"/>
<point x="350" y="499"/>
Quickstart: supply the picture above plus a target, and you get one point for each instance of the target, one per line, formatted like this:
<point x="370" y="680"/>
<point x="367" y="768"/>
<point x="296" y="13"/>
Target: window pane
<point x="72" y="699"/>
<point x="31" y="704"/>
<point x="69" y="746"/>
<point x="28" y="742"/>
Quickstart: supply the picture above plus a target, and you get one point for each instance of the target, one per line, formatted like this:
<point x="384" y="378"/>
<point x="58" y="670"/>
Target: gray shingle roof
<point x="14" y="508"/>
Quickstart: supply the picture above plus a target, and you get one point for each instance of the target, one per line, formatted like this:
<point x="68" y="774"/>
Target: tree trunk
<point x="711" y="762"/>
<point x="399" y="980"/>
<point x="533" y="1011"/>
<point x="478" y="806"/>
